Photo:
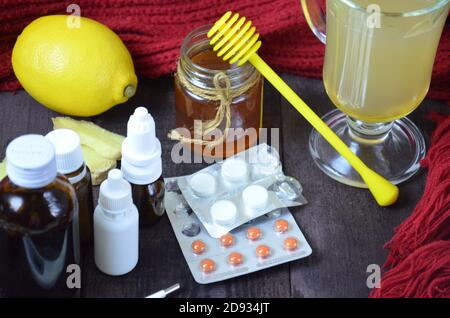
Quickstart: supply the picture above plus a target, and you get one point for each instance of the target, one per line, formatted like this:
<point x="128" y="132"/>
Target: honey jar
<point x="219" y="104"/>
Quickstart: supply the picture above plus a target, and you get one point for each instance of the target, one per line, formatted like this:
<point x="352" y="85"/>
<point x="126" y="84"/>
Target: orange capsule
<point x="253" y="233"/>
<point x="227" y="240"/>
<point x="198" y="247"/>
<point x="281" y="226"/>
<point x="207" y="265"/>
<point x="290" y="243"/>
<point x="263" y="251"/>
<point x="235" y="258"/>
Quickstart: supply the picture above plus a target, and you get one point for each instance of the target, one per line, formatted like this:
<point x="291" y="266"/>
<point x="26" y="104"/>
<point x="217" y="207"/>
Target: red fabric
<point x="425" y="273"/>
<point x="419" y="252"/>
<point x="153" y="31"/>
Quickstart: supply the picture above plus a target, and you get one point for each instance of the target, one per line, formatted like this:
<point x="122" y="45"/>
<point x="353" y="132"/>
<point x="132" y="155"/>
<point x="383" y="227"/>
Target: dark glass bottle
<point x="149" y="200"/>
<point x="38" y="233"/>
<point x="83" y="189"/>
<point x="70" y="162"/>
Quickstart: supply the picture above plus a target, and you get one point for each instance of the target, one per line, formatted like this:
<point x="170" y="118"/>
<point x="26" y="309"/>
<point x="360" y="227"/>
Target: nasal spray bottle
<point x="142" y="166"/>
<point x="116" y="227"/>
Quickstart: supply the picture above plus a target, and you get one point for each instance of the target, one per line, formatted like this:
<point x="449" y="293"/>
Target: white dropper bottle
<point x="141" y="150"/>
<point x="116" y="227"/>
<point x="142" y="166"/>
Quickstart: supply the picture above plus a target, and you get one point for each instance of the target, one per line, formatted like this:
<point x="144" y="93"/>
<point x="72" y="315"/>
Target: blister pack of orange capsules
<point x="270" y="240"/>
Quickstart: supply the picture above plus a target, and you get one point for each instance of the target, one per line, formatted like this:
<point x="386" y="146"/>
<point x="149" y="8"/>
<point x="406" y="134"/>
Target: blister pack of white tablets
<point x="265" y="242"/>
<point x="239" y="189"/>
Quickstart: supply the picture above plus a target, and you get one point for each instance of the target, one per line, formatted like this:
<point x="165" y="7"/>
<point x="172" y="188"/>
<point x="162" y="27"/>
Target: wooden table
<point x="344" y="226"/>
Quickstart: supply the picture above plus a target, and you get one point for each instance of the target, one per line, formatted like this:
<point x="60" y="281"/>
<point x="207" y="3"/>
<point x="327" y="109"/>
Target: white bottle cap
<point x="69" y="156"/>
<point x="203" y="184"/>
<point x="255" y="197"/>
<point x="223" y="212"/>
<point x="234" y="170"/>
<point x="30" y="161"/>
<point x="115" y="193"/>
<point x="141" y="150"/>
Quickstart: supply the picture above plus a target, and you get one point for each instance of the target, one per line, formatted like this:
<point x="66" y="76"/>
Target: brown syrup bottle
<point x="83" y="190"/>
<point x="38" y="229"/>
<point x="69" y="161"/>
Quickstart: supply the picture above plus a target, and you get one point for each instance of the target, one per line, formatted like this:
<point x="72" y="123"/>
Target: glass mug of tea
<point x="378" y="64"/>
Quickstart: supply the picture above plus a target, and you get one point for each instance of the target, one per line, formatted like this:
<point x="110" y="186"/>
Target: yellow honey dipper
<point x="236" y="40"/>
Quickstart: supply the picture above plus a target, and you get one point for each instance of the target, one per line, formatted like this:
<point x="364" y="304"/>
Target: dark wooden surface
<point x="344" y="226"/>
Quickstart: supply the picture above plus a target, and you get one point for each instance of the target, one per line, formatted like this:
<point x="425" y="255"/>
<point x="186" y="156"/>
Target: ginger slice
<point x="105" y="143"/>
<point x="2" y="169"/>
<point x="97" y="164"/>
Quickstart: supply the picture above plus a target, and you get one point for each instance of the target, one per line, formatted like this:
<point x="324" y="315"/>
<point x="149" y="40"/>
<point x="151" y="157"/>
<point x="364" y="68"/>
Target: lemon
<point x="76" y="69"/>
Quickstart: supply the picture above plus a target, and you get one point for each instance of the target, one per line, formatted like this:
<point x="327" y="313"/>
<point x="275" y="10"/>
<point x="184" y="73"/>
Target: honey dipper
<point x="235" y="40"/>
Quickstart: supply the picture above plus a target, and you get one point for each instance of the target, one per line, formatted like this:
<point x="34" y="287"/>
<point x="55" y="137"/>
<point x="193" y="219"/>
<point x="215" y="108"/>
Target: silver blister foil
<point x="252" y="181"/>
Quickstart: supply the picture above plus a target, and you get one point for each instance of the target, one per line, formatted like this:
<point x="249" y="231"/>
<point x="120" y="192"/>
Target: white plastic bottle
<point x="116" y="227"/>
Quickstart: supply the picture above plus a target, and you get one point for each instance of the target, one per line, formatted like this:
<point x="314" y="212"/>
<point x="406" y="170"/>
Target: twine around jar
<point x="221" y="92"/>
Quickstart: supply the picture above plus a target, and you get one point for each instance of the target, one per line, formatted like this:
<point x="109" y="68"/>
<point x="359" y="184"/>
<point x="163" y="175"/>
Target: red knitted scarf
<point x="154" y="29"/>
<point x="419" y="252"/>
<point x="419" y="258"/>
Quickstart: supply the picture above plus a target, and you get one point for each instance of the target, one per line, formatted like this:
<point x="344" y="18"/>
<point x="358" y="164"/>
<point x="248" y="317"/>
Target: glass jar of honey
<point x="224" y="100"/>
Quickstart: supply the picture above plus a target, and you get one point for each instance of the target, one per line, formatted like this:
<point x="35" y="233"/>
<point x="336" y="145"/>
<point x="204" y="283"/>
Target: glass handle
<point x="315" y="16"/>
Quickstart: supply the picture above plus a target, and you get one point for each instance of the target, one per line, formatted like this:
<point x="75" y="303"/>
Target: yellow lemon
<point x="75" y="67"/>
